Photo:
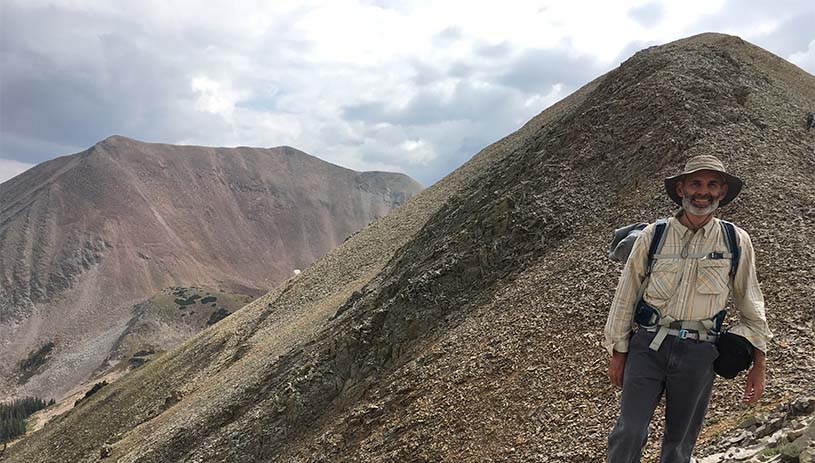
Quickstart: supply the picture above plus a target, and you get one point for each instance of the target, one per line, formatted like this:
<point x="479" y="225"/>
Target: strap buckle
<point x="683" y="334"/>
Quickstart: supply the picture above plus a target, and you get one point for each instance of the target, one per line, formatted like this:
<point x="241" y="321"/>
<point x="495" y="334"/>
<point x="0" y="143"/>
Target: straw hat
<point x="705" y="162"/>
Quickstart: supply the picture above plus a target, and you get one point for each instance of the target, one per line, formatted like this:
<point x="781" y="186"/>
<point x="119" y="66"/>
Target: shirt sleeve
<point x="621" y="316"/>
<point x="749" y="300"/>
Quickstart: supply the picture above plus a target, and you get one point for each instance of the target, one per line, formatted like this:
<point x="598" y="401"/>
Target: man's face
<point x="701" y="191"/>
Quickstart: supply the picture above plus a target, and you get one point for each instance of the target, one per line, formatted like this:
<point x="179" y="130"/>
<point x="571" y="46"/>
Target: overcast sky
<point x="409" y="86"/>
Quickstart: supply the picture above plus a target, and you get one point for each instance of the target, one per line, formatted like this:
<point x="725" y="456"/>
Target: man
<point x="689" y="283"/>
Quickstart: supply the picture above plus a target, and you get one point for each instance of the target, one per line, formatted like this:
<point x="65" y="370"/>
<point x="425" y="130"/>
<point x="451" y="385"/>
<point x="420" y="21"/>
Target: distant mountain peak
<point x="84" y="234"/>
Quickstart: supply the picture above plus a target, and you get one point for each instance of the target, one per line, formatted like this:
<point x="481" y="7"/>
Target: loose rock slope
<point x="466" y="325"/>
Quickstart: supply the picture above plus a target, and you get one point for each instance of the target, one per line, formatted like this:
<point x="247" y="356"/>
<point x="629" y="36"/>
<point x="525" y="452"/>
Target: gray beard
<point x="688" y="206"/>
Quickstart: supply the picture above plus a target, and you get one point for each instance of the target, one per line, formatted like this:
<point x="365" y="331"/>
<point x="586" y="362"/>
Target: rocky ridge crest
<point x="466" y="325"/>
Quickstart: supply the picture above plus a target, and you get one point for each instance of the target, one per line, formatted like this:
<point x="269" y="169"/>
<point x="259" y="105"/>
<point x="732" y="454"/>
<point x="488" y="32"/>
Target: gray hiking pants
<point x="683" y="370"/>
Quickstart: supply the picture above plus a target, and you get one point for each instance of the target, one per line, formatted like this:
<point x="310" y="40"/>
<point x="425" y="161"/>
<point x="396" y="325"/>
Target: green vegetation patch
<point x="208" y="299"/>
<point x="92" y="391"/>
<point x="14" y="414"/>
<point x="184" y="302"/>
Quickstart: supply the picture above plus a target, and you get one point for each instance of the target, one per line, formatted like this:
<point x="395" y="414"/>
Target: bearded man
<point x="687" y="287"/>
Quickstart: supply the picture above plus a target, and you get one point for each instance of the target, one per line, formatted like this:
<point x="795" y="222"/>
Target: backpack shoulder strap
<point x="731" y="238"/>
<point x="656" y="243"/>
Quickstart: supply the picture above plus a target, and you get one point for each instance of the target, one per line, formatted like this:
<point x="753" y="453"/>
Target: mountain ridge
<point x="466" y="325"/>
<point x="116" y="223"/>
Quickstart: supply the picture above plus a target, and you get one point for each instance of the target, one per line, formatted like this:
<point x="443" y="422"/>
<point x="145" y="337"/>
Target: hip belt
<point x="684" y="333"/>
<point x="650" y="319"/>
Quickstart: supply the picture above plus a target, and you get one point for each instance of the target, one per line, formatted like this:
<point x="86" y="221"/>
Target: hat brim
<point x="734" y="185"/>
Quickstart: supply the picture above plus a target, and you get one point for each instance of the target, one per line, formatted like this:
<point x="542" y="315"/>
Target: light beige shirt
<point x="689" y="288"/>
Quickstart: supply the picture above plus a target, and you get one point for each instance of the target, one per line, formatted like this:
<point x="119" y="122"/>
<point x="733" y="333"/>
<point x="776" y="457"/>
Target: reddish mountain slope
<point x="83" y="237"/>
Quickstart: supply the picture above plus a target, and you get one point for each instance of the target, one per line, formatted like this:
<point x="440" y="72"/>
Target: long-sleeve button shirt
<point x="689" y="288"/>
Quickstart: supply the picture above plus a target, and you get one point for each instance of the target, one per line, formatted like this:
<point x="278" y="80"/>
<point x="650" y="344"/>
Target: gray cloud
<point x="120" y="77"/>
<point x="447" y="36"/>
<point x="630" y="49"/>
<point x="71" y="78"/>
<point x="459" y="122"/>
<point x="430" y="106"/>
<point x="425" y="73"/>
<point x="746" y="18"/>
<point x="9" y="169"/>
<point x="73" y="75"/>
<point x="489" y="50"/>
<point x="536" y="70"/>
<point x="793" y="35"/>
<point x="750" y="12"/>
<point x="456" y="141"/>
<point x="649" y="15"/>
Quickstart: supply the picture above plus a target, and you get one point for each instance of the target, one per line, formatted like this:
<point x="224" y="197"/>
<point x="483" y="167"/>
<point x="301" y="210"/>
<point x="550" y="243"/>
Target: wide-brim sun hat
<point x="705" y="162"/>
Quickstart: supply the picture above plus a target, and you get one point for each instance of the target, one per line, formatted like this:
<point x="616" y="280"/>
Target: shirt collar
<point x="706" y="229"/>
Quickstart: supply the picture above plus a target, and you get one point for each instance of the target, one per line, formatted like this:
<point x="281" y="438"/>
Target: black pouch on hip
<point x="735" y="355"/>
<point x="646" y="316"/>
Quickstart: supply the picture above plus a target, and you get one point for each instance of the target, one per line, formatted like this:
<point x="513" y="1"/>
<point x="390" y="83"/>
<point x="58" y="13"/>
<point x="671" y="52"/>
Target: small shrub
<point x="136" y="362"/>
<point x="37" y="357"/>
<point x="92" y="391"/>
<point x="34" y="361"/>
<point x="217" y="316"/>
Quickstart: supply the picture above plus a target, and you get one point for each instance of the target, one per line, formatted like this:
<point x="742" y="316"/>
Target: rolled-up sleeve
<point x="621" y="316"/>
<point x="749" y="300"/>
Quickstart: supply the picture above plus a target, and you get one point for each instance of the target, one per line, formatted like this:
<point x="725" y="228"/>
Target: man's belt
<point x="649" y="318"/>
<point x="683" y="333"/>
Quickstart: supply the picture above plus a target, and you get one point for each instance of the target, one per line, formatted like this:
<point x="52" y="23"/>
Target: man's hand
<point x="755" y="379"/>
<point x="616" y="368"/>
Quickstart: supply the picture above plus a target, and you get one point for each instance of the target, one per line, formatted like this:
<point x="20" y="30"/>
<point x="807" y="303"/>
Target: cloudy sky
<point x="412" y="86"/>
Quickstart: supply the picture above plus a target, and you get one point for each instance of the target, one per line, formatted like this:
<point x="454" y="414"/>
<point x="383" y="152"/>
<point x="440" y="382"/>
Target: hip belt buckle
<point x="683" y="333"/>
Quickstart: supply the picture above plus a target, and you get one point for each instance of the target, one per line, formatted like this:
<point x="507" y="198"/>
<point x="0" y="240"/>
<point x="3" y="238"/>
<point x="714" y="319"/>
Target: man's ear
<point x="679" y="189"/>
<point x="724" y="192"/>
